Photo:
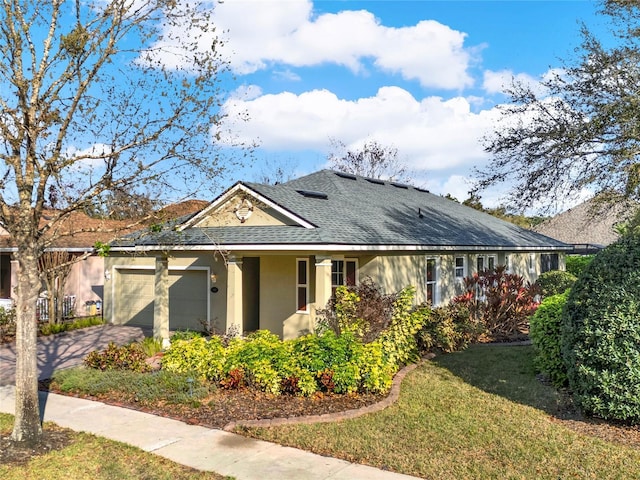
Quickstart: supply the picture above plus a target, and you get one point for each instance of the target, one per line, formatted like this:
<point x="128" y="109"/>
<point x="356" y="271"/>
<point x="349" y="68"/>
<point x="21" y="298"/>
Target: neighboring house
<point x="269" y="256"/>
<point x="78" y="235"/>
<point x="588" y="227"/>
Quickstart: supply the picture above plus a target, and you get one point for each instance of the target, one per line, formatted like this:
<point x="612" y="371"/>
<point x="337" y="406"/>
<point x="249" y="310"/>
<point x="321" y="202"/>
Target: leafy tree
<point x="580" y="128"/>
<point x="374" y="160"/>
<point x="97" y="97"/>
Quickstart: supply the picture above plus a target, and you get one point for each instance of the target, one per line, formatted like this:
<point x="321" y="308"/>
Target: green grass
<point x="474" y="414"/>
<point x="96" y="458"/>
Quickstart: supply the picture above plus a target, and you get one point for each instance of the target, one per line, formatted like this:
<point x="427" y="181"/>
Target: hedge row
<point x="325" y="361"/>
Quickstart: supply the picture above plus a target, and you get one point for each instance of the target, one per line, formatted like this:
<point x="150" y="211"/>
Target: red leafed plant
<point x="502" y="301"/>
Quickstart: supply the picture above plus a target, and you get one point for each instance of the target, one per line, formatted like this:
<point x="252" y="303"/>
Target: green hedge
<point x="544" y="331"/>
<point x="555" y="282"/>
<point x="601" y="333"/>
<point x="327" y="361"/>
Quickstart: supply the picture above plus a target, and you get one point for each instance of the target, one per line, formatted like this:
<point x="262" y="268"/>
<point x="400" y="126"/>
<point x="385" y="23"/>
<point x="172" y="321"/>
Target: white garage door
<point x="187" y="298"/>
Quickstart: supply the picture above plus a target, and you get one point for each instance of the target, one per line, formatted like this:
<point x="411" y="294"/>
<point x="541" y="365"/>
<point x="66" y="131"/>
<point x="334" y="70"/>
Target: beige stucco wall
<point x="278" y="296"/>
<point x="277" y="280"/>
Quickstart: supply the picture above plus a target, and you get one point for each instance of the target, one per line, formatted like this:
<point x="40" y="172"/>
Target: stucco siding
<point x="278" y="296"/>
<point x="86" y="282"/>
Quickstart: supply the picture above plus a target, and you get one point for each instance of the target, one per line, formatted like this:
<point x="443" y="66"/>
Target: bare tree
<point x="374" y="160"/>
<point x="55" y="267"/>
<point x="97" y="97"/>
<point x="580" y="130"/>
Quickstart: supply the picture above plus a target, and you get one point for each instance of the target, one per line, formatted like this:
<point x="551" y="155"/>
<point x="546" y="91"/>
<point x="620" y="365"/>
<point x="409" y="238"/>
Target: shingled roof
<point x="586" y="226"/>
<point x="349" y="211"/>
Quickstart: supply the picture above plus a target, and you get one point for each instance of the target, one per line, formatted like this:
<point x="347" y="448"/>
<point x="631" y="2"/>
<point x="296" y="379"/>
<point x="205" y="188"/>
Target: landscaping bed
<point x="222" y="407"/>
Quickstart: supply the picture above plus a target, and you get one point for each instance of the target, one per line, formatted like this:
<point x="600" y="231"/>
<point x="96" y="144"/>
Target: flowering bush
<point x="502" y="301"/>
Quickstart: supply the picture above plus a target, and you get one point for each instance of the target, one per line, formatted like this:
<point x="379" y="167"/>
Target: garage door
<point x="187" y="298"/>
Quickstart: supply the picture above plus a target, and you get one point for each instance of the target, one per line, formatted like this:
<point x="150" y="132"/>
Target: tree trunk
<point x="27" y="427"/>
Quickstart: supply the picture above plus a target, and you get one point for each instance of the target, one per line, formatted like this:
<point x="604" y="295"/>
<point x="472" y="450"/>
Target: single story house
<point x="270" y="256"/>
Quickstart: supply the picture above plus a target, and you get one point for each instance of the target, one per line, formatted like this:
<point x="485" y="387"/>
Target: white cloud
<point x="430" y="134"/>
<point x="262" y="34"/>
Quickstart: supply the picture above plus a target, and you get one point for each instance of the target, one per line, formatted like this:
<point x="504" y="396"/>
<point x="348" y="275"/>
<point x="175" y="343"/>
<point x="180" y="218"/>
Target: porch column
<point x="234" y="293"/>
<point x="323" y="285"/>
<point x="161" y="300"/>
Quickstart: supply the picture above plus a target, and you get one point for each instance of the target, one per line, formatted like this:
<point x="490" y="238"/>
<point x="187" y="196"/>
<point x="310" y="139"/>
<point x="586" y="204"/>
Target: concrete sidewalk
<point x="195" y="446"/>
<point x="67" y="349"/>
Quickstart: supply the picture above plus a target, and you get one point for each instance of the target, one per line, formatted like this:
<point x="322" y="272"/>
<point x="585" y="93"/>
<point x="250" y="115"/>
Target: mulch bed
<point x="226" y="406"/>
<point x="54" y="438"/>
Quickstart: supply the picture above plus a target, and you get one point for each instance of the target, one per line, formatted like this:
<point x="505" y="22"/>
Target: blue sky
<point x="422" y="76"/>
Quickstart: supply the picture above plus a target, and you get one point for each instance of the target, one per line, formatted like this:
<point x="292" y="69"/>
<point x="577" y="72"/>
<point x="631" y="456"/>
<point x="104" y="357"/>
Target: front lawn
<point x="475" y="414"/>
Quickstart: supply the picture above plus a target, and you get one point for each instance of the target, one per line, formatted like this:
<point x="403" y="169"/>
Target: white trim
<point x="207" y="270"/>
<point x="435" y="282"/>
<point x="341" y="258"/>
<point x="306" y="286"/>
<point x="193" y="221"/>
<point x="464" y="267"/>
<point x="532" y="263"/>
<point x="302" y="247"/>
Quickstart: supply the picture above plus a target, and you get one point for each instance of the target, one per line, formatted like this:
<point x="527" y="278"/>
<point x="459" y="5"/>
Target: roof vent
<point x="350" y="176"/>
<point x="375" y="180"/>
<point x="422" y="189"/>
<point x="312" y="194"/>
<point x="400" y="185"/>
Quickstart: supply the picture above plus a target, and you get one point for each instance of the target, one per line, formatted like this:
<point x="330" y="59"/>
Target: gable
<point x="243" y="206"/>
<point x="243" y="210"/>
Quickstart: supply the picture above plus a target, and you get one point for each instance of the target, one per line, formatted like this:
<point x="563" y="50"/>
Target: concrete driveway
<point x="67" y="349"/>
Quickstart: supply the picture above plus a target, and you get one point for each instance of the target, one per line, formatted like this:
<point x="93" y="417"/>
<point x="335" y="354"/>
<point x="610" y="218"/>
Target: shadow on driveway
<point x="68" y="349"/>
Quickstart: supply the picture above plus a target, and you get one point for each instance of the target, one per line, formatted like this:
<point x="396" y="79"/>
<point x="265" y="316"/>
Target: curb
<point x="389" y="400"/>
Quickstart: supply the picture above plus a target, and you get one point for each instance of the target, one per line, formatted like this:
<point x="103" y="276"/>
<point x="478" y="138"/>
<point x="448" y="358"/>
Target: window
<point x="487" y="262"/>
<point x="491" y="262"/>
<point x="548" y="262"/>
<point x="507" y="264"/>
<point x="302" y="285"/>
<point x="431" y="275"/>
<point x="343" y="272"/>
<point x="459" y="268"/>
<point x="532" y="263"/>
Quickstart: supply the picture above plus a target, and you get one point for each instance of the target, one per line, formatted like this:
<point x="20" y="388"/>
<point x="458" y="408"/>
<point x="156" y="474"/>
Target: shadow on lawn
<point x="507" y="371"/>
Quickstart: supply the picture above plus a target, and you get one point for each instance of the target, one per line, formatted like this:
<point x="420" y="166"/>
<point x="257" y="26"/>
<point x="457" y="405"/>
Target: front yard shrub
<point x="262" y="356"/>
<point x="554" y="282"/>
<point x="398" y="340"/>
<point x="325" y="361"/>
<point x="142" y="387"/>
<point x="186" y="335"/>
<point x="197" y="357"/>
<point x="362" y="309"/>
<point x="601" y="333"/>
<point x="448" y="329"/>
<point x="54" y="328"/>
<point x="502" y="301"/>
<point x="7" y="321"/>
<point x="545" y="336"/>
<point x="127" y="357"/>
<point x="575" y="264"/>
